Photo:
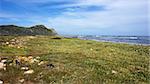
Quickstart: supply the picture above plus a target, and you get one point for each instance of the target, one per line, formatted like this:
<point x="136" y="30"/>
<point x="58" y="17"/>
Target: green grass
<point x="78" y="61"/>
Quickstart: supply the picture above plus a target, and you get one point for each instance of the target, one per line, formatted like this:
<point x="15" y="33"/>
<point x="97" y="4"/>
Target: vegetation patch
<point x="45" y="59"/>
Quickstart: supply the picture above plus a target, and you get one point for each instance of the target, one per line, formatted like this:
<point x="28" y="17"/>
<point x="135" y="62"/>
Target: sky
<point x="79" y="17"/>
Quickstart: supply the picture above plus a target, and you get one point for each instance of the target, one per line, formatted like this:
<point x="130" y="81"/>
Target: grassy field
<point x="72" y="61"/>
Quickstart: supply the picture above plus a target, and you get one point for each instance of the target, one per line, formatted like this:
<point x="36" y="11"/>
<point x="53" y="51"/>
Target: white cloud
<point x="122" y="15"/>
<point x="118" y="15"/>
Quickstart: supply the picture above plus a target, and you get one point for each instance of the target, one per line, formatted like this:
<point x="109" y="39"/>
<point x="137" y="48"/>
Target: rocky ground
<point x="23" y="64"/>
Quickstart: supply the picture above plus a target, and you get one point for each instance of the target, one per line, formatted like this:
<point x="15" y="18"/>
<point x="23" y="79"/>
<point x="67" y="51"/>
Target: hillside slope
<point x="34" y="30"/>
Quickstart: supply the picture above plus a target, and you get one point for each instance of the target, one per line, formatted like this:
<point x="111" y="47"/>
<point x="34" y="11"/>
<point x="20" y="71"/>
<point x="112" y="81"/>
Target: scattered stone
<point x="114" y="72"/>
<point x="17" y="62"/>
<point x="24" y="68"/>
<point x="4" y="68"/>
<point x="4" y="65"/>
<point x="29" y="72"/>
<point x="8" y="62"/>
<point x="10" y="45"/>
<point x="31" y="37"/>
<point x="13" y="39"/>
<point x="18" y="46"/>
<point x="22" y="58"/>
<point x="41" y="63"/>
<point x="38" y="57"/>
<point x="7" y="43"/>
<point x="50" y="65"/>
<point x="3" y="61"/>
<point x="31" y="61"/>
<point x="1" y="65"/>
<point x="21" y="80"/>
<point x="30" y="57"/>
<point x="1" y="82"/>
<point x="35" y="60"/>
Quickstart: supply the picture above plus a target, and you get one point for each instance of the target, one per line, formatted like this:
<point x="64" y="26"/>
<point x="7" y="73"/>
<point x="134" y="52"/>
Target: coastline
<point x="118" y="42"/>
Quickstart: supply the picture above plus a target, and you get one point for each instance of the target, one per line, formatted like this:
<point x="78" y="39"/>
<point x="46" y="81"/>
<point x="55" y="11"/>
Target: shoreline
<point x="117" y="42"/>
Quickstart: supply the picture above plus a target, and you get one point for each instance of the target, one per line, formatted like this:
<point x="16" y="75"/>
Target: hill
<point x="34" y="30"/>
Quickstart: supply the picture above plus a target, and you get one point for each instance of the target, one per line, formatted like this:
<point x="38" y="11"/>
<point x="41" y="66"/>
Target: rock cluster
<point x="30" y="59"/>
<point x="3" y="64"/>
<point x="18" y="43"/>
<point x="23" y="63"/>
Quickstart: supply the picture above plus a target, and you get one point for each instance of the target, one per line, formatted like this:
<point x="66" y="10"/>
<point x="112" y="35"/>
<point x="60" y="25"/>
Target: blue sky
<point x="90" y="17"/>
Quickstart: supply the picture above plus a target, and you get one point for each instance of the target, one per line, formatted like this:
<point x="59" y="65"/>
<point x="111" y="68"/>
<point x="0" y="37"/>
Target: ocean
<point x="141" y="40"/>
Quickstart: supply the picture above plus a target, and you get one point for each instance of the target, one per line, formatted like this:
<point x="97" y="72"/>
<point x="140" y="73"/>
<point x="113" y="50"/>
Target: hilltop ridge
<point x="19" y="30"/>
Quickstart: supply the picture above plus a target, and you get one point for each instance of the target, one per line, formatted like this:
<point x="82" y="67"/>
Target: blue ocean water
<point x="144" y="40"/>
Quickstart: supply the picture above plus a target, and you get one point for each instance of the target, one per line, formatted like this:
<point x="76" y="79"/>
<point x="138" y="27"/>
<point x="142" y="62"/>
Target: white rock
<point x="3" y="61"/>
<point x="4" y="65"/>
<point x="41" y="63"/>
<point x="31" y="37"/>
<point x="18" y="46"/>
<point x="29" y="72"/>
<point x="38" y="57"/>
<point x="31" y="61"/>
<point x="30" y="57"/>
<point x="5" y="68"/>
<point x="1" y="82"/>
<point x="1" y="65"/>
<point x="7" y="42"/>
<point x="21" y="80"/>
<point x="35" y="60"/>
<point x="11" y="64"/>
<point x="114" y="72"/>
<point x="24" y="68"/>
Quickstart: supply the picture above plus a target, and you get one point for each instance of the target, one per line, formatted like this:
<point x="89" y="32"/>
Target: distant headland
<point x="18" y="30"/>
